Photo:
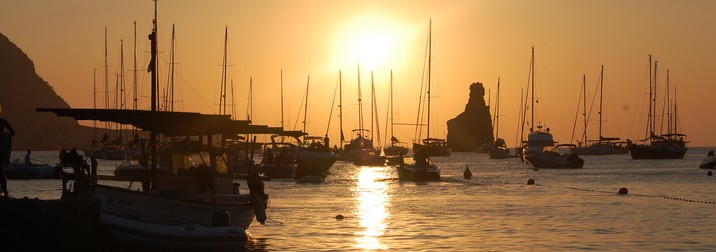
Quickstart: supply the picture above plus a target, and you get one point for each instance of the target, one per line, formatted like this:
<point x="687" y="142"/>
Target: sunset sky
<point x="472" y="41"/>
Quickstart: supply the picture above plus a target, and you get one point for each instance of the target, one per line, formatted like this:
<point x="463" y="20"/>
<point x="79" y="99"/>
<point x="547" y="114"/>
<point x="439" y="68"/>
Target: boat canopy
<point x="168" y="123"/>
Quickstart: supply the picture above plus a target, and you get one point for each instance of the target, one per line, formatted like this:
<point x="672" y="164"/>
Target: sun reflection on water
<point x="373" y="201"/>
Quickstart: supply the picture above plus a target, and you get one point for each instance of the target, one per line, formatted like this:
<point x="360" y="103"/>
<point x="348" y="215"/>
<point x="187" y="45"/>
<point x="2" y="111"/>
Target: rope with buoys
<point x="623" y="191"/>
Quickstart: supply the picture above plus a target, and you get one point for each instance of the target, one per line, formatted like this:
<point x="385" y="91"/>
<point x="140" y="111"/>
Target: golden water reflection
<point x="373" y="201"/>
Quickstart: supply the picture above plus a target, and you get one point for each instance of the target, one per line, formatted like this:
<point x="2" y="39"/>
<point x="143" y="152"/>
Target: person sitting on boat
<point x="711" y="154"/>
<point x="421" y="158"/>
<point x="28" y="161"/>
<point x="326" y="142"/>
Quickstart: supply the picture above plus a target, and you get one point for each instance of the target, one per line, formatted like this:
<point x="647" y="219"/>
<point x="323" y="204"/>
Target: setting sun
<point x="373" y="42"/>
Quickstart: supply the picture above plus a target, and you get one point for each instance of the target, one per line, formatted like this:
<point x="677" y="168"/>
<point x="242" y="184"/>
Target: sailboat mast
<point x="653" y="118"/>
<point x="121" y="74"/>
<point x="532" y="76"/>
<point x="282" y="127"/>
<point x="372" y="103"/>
<point x="668" y="104"/>
<point x="134" y="72"/>
<point x="250" y="106"/>
<point x="430" y="54"/>
<point x="305" y="105"/>
<point x="497" y="110"/>
<point x="169" y="100"/>
<point x="153" y="62"/>
<point x="340" y="104"/>
<point x="94" y="99"/>
<point x="374" y="111"/>
<point x="649" y="128"/>
<point x="106" y="79"/>
<point x="222" y="99"/>
<point x="360" y="107"/>
<point x="584" y="108"/>
<point x="601" y="98"/>
<point x="392" y="131"/>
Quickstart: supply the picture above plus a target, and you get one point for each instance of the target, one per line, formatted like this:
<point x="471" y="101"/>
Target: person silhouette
<point x="6" y="133"/>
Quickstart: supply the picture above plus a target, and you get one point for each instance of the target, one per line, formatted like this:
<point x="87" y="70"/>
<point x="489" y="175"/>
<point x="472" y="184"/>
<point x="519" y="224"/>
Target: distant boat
<point x="433" y="146"/>
<point x="498" y="149"/>
<point x="535" y="150"/>
<point x="666" y="146"/>
<point x="361" y="150"/>
<point x="708" y="163"/>
<point x="604" y="145"/>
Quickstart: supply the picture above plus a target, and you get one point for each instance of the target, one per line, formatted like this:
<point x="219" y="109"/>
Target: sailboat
<point x="603" y="145"/>
<point x="499" y="148"/>
<point x="396" y="147"/>
<point x="433" y="146"/>
<point x="665" y="146"/>
<point x="421" y="167"/>
<point x="535" y="152"/>
<point x="361" y="150"/>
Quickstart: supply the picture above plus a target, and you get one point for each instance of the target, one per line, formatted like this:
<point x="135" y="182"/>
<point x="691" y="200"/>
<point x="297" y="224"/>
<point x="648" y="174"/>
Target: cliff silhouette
<point x="472" y="127"/>
<point x="21" y="91"/>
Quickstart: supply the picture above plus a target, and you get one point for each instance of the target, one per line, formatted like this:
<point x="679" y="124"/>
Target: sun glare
<point x="372" y="42"/>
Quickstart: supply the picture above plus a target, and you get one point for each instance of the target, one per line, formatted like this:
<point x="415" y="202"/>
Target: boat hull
<point x="279" y="171"/>
<point x="167" y="209"/>
<point x="16" y="170"/>
<point x="497" y="153"/>
<point x="709" y="163"/>
<point x="549" y="159"/>
<point x="176" y="237"/>
<point x="418" y="173"/>
<point x="600" y="149"/>
<point x="640" y="151"/>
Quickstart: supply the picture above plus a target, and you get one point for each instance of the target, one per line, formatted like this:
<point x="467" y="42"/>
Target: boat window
<point x="221" y="164"/>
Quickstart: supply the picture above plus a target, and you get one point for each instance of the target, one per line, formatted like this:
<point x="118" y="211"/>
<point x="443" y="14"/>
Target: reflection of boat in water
<point x="666" y="146"/>
<point x="37" y="170"/>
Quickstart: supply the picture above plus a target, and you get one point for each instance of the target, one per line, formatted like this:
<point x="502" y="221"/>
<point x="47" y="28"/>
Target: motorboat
<point x="413" y="171"/>
<point x="36" y="170"/>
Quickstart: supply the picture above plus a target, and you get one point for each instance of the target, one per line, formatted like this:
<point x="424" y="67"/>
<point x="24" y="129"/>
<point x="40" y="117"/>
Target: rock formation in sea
<point x="472" y="127"/>
<point x="21" y="91"/>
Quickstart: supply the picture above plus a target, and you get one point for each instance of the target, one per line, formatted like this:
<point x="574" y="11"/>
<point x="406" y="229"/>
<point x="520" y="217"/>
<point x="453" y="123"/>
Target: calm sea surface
<point x="671" y="206"/>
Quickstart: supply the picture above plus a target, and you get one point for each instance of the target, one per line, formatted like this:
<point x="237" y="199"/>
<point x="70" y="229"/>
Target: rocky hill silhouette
<point x="21" y="91"/>
<point x="472" y="127"/>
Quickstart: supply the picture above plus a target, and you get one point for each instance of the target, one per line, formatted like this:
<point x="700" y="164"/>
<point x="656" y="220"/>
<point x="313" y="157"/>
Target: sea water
<point x="670" y="205"/>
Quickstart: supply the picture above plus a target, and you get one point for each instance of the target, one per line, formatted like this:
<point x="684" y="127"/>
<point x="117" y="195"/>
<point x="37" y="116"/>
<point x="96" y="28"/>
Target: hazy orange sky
<point x="473" y="41"/>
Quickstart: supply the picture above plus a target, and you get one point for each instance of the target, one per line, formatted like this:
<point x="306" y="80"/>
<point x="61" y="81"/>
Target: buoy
<point x="709" y="173"/>
<point x="340" y="217"/>
<point x="467" y="174"/>
<point x="623" y="190"/>
<point x="530" y="181"/>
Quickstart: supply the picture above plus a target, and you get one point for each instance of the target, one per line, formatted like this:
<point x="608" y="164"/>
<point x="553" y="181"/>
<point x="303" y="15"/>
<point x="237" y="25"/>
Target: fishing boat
<point x="665" y="146"/>
<point x="603" y="145"/>
<point x="498" y="149"/>
<point x="433" y="146"/>
<point x="539" y="150"/>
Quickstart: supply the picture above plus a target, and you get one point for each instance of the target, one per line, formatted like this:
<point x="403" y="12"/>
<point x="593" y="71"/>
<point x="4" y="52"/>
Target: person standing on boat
<point x="421" y="158"/>
<point x="5" y="149"/>
<point x="28" y="161"/>
<point x="711" y="154"/>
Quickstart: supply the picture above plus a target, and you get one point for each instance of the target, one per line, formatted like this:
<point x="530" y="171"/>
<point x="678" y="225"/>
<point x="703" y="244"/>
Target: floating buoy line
<point x="623" y="191"/>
